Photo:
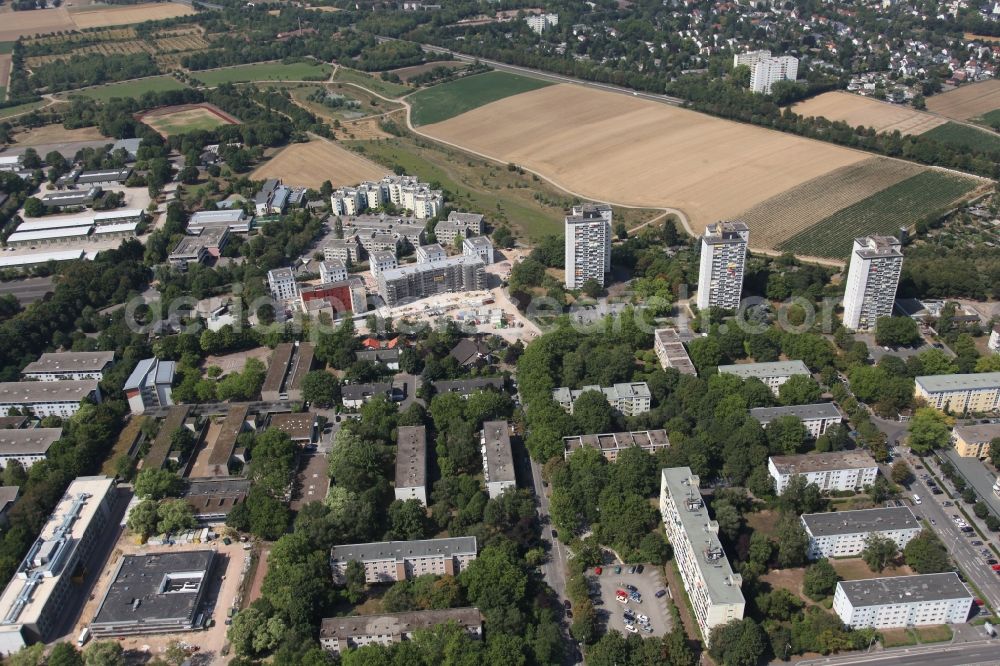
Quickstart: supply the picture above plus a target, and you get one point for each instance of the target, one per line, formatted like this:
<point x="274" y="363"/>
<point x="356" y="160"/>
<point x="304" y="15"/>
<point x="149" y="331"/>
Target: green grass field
<point x="6" y="47"/>
<point x="267" y="71"/>
<point x="185" y="121"/>
<point x="448" y="100"/>
<point x="384" y="88"/>
<point x="132" y="88"/>
<point x="991" y="119"/>
<point x="20" y="108"/>
<point x="927" y="195"/>
<point x="964" y="137"/>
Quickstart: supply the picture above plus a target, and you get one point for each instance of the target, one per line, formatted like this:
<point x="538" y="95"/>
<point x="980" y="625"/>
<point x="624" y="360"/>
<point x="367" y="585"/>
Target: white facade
<point x="282" y="284"/>
<point x="765" y="73"/>
<point x="816" y="418"/>
<point x="332" y="270"/>
<point x="382" y="260"/>
<point x="835" y="471"/>
<point x="630" y="399"/>
<point x="846" y="533"/>
<point x="588" y="246"/>
<point x="389" y="561"/>
<point x="428" y="254"/>
<point x="479" y="245"/>
<point x="723" y="260"/>
<point x="750" y="58"/>
<point x="498" y="458"/>
<point x="61" y="398"/>
<point x="994" y="343"/>
<point x="773" y="373"/>
<point x="541" y="22"/>
<point x="149" y="385"/>
<point x="876" y="263"/>
<point x="903" y="601"/>
<point x="56" y="366"/>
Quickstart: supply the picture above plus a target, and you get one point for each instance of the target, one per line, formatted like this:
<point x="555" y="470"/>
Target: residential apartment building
<point x="876" y="263"/>
<point x="750" y="58"/>
<point x="411" y="463"/>
<point x="148" y="387"/>
<point x="973" y="441"/>
<point x="332" y="270"/>
<point x="26" y="445"/>
<point x="415" y="281"/>
<point x="428" y="254"/>
<point x="588" y="245"/>
<point x="773" y="373"/>
<point x="57" y="366"/>
<point x="978" y="392"/>
<point x="345" y="250"/>
<point x="628" y="398"/>
<point x="903" y="601"/>
<point x="498" y="458"/>
<point x="768" y="71"/>
<point x="816" y="418"/>
<point x="382" y="229"/>
<point x="541" y="22"/>
<point x="281" y="282"/>
<point x="408" y="193"/>
<point x="61" y="398"/>
<point x="353" y="396"/>
<point x="389" y="561"/>
<point x="479" y="246"/>
<point x="610" y="444"/>
<point x="336" y="298"/>
<point x="38" y="599"/>
<point x="382" y="261"/>
<point x="671" y="352"/>
<point x="846" y="533"/>
<point x="290" y="363"/>
<point x="834" y="471"/>
<point x="337" y="634"/>
<point x="723" y="260"/>
<point x="458" y="225"/>
<point x="709" y="580"/>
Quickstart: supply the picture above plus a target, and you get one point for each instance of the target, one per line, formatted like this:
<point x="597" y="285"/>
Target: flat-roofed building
<point x="199" y="245"/>
<point x="38" y="599"/>
<point x="846" y="533"/>
<point x="55" y="366"/>
<point x="289" y="365"/>
<point x="112" y="231"/>
<point x="772" y="373"/>
<point x="281" y="282"/>
<point x="49" y="236"/>
<point x="411" y="463"/>
<point x="178" y="416"/>
<point x="106" y="177"/>
<point x="876" y="264"/>
<point x="458" y="225"/>
<point x="346" y="250"/>
<point x="299" y="426"/>
<point x="155" y="593"/>
<point x="234" y="219"/>
<point x="120" y="216"/>
<point x="382" y="260"/>
<point x="630" y="398"/>
<point x="337" y="634"/>
<point x="149" y="385"/>
<point x="671" y="352"/>
<point x="587" y="245"/>
<point x="479" y="246"/>
<point x="213" y="498"/>
<point x="428" y="254"/>
<point x="332" y="270"/>
<point x="833" y="471"/>
<point x="498" y="458"/>
<point x="723" y="259"/>
<point x="223" y="451"/>
<point x="903" y="601"/>
<point x="973" y="441"/>
<point x="389" y="561"/>
<point x="35" y="258"/>
<point x="709" y="580"/>
<point x="415" y="281"/>
<point x="816" y="418"/>
<point x="60" y="398"/>
<point x="610" y="444"/>
<point x="26" y="445"/>
<point x="978" y="392"/>
<point x="336" y="298"/>
<point x="56" y="222"/>
<point x="71" y="198"/>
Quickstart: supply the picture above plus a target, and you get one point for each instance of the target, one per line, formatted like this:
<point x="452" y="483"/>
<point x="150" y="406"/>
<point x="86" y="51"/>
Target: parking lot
<point x="610" y="611"/>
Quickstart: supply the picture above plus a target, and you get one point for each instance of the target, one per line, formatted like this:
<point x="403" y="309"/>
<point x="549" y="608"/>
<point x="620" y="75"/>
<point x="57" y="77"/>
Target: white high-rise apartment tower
<point x="769" y="71"/>
<point x="876" y="263"/>
<point x="588" y="244"/>
<point x="723" y="259"/>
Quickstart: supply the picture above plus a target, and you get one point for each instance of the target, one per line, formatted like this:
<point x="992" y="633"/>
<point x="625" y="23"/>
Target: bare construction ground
<point x="966" y="102"/>
<point x="779" y="218"/>
<point x="309" y="164"/>
<point x="857" y="110"/>
<point x="625" y="150"/>
<point x="98" y="16"/>
<point x="48" y="134"/>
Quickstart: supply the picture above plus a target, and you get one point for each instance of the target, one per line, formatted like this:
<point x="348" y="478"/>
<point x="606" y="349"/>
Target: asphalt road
<point x="983" y="653"/>
<point x="28" y="290"/>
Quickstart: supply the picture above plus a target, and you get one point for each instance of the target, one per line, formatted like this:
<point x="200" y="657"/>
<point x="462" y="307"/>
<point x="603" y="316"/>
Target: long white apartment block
<point x="498" y="458"/>
<point x="338" y="634"/>
<point x="750" y="58"/>
<point x="389" y="561"/>
<point x="60" y="398"/>
<point x="26" y="445"/>
<point x="876" y="263"/>
<point x="411" y="463"/>
<point x="833" y="471"/>
<point x="768" y="71"/>
<point x="816" y="418"/>
<point x="611" y="444"/>
<point x="671" y="352"/>
<point x="723" y="261"/>
<point x="903" y="601"/>
<point x="709" y="580"/>
<point x="846" y="533"/>
<point x="588" y="245"/>
<point x="976" y="392"/>
<point x="55" y="366"/>
<point x="772" y="373"/>
<point x="630" y="399"/>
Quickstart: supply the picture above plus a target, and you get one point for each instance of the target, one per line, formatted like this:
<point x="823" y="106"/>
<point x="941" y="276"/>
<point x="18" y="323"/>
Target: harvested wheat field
<point x="966" y="102"/>
<point x="621" y="149"/>
<point x="97" y="16"/>
<point x="309" y="164"/>
<point x="49" y="134"/>
<point x="857" y="110"/>
<point x="35" y="22"/>
<point x="779" y="218"/>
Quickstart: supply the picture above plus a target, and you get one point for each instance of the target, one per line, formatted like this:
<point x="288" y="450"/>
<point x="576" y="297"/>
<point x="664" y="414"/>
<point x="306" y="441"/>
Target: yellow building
<point x="973" y="441"/>
<point x="978" y="392"/>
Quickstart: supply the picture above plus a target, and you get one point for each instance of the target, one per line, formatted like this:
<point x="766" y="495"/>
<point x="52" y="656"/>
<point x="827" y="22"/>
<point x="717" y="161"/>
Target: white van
<point x="916" y="498"/>
<point x="84" y="637"/>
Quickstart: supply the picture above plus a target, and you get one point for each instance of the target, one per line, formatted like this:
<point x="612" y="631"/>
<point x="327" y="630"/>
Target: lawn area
<point x="854" y="568"/>
<point x="6" y="47"/>
<point x="897" y="638"/>
<point x="991" y="119"/>
<point x="20" y="108"/>
<point x="385" y="88"/>
<point x="936" y="633"/>
<point x="126" y="438"/>
<point x="531" y="208"/>
<point x="132" y="88"/>
<point x="454" y="98"/>
<point x="266" y="71"/>
<point x="927" y="195"/>
<point x="965" y="137"/>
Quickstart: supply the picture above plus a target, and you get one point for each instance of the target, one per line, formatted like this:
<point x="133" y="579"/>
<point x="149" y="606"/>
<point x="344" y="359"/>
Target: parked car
<point x="977" y="542"/>
<point x="555" y="534"/>
<point x="566" y="604"/>
<point x="598" y="571"/>
<point x="642" y="618"/>
<point x="569" y="613"/>
<point x="631" y="569"/>
<point x="992" y="560"/>
<point x="631" y="588"/>
<point x="636" y="597"/>
<point x="995" y="567"/>
<point x="618" y="570"/>
<point x="631" y="628"/>
<point x="621" y="596"/>
<point x="639" y="569"/>
<point x="648" y="629"/>
<point x="629" y="616"/>
<point x="660" y="593"/>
